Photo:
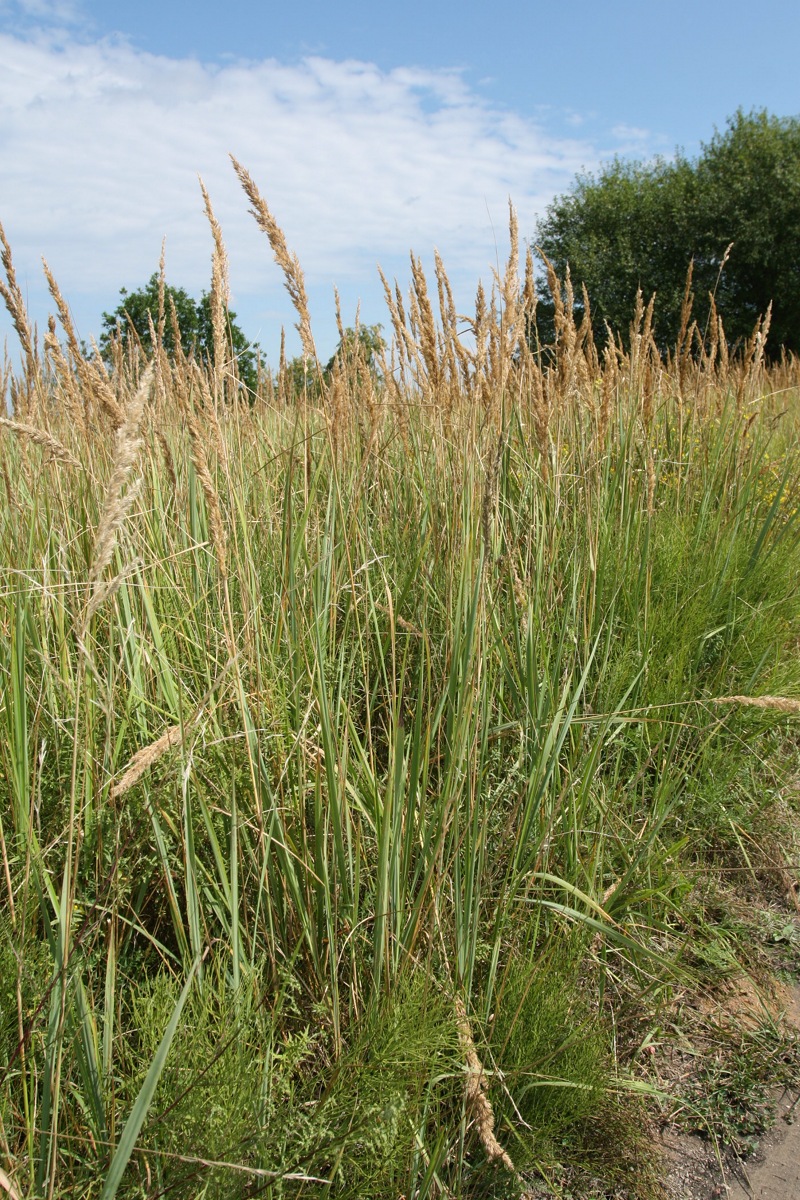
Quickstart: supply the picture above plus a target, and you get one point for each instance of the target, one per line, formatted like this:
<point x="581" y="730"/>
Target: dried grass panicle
<point x="339" y="323"/>
<point x="158" y="342"/>
<point x="478" y="1105"/>
<point x="117" y="499"/>
<point x="169" y="461"/>
<point x="283" y="375"/>
<point x="143" y="759"/>
<point x="92" y="379"/>
<point x="529" y="294"/>
<point x="40" y="437"/>
<point x="402" y="337"/>
<point x="510" y="283"/>
<point x="782" y="704"/>
<point x="219" y="297"/>
<point x="423" y="312"/>
<point x="14" y="302"/>
<point x="219" y="537"/>
<point x="288" y="262"/>
<point x="66" y="378"/>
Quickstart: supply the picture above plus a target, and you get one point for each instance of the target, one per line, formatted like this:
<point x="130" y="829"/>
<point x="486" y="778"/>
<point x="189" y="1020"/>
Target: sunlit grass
<point x="322" y="720"/>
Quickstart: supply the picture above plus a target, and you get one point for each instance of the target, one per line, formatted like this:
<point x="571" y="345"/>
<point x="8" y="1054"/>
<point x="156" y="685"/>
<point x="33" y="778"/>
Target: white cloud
<point x="55" y="12"/>
<point x="631" y="133"/>
<point x="101" y="144"/>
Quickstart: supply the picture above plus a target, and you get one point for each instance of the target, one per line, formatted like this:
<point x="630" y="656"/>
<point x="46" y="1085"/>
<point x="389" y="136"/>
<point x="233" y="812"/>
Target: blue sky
<point x="371" y="130"/>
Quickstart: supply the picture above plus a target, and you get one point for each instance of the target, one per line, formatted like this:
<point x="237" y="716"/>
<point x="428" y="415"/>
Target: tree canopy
<point x="639" y="225"/>
<point x="193" y="319"/>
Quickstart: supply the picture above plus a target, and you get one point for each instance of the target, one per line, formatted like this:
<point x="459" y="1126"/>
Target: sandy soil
<point x="696" y="1172"/>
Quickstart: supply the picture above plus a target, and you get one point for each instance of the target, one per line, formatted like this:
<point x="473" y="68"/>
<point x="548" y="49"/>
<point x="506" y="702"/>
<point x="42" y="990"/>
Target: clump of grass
<point x="332" y="856"/>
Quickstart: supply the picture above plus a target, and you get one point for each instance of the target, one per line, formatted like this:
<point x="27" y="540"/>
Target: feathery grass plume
<point x="160" y="363"/>
<point x="91" y="378"/>
<point x="455" y="351"/>
<point x="13" y="504"/>
<point x="158" y="342"/>
<point x="117" y="499"/>
<point x="683" y="346"/>
<point x="219" y="298"/>
<point x="529" y="295"/>
<point x="169" y="462"/>
<point x="752" y="359"/>
<point x="200" y="460"/>
<point x="779" y="703"/>
<point x="401" y="336"/>
<point x="338" y="309"/>
<point x="66" y="378"/>
<point x="288" y="262"/>
<point x="510" y="286"/>
<point x="210" y="412"/>
<point x="426" y="333"/>
<point x="143" y="759"/>
<point x="478" y="1105"/>
<point x="709" y="356"/>
<point x="567" y="341"/>
<point x="283" y="374"/>
<point x="448" y="353"/>
<point x="10" y="291"/>
<point x="40" y="437"/>
<point x="591" y="358"/>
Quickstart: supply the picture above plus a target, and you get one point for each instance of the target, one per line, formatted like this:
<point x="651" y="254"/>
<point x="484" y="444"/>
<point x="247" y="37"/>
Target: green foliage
<point x="731" y="1095"/>
<point x="356" y="350"/>
<point x="416" y="753"/>
<point x="552" y="1052"/>
<point x="639" y="225"/>
<point x="251" y="1083"/>
<point x="365" y="345"/>
<point x="133" y="316"/>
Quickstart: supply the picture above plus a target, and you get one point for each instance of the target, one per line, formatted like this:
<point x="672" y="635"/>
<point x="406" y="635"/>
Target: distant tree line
<point x="137" y="313"/>
<point x="639" y="225"/>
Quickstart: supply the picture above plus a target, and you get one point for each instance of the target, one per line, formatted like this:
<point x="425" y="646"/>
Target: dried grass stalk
<point x="10" y="291"/>
<point x="778" y="703"/>
<point x="477" y="1102"/>
<point x="117" y="499"/>
<point x="288" y="262"/>
<point x="41" y="437"/>
<point x="91" y="378"/>
<point x="422" y="312"/>
<point x="144" y="758"/>
<point x="219" y="298"/>
<point x="200" y="460"/>
<point x="69" y="390"/>
<point x="7" y="1186"/>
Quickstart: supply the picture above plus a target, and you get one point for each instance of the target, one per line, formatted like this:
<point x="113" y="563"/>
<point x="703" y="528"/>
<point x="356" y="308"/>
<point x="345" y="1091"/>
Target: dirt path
<point x="777" y="1177"/>
<point x="695" y="1172"/>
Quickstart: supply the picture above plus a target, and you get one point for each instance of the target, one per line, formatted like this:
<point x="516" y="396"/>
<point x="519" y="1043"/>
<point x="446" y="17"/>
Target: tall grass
<point x="360" y="745"/>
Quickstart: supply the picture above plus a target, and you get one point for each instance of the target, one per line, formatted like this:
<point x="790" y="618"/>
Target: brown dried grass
<point x="118" y="495"/>
<point x="40" y="437"/>
<point x="288" y="262"/>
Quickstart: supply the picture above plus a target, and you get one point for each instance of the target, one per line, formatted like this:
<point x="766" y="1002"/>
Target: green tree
<point x="133" y="314"/>
<point x="303" y="377"/>
<point x="368" y="341"/>
<point x="641" y="224"/>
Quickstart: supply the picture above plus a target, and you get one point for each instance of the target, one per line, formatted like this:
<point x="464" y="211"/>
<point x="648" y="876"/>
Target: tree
<point x="639" y="225"/>
<point x="307" y="378"/>
<point x="367" y="342"/>
<point x="193" y="319"/>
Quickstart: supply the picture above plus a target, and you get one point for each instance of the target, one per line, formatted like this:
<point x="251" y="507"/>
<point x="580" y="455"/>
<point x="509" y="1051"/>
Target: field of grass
<point x="366" y="757"/>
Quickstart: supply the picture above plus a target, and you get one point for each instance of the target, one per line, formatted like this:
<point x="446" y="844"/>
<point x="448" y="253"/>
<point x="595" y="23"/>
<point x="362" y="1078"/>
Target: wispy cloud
<point x="101" y="144"/>
<point x="54" y="12"/>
